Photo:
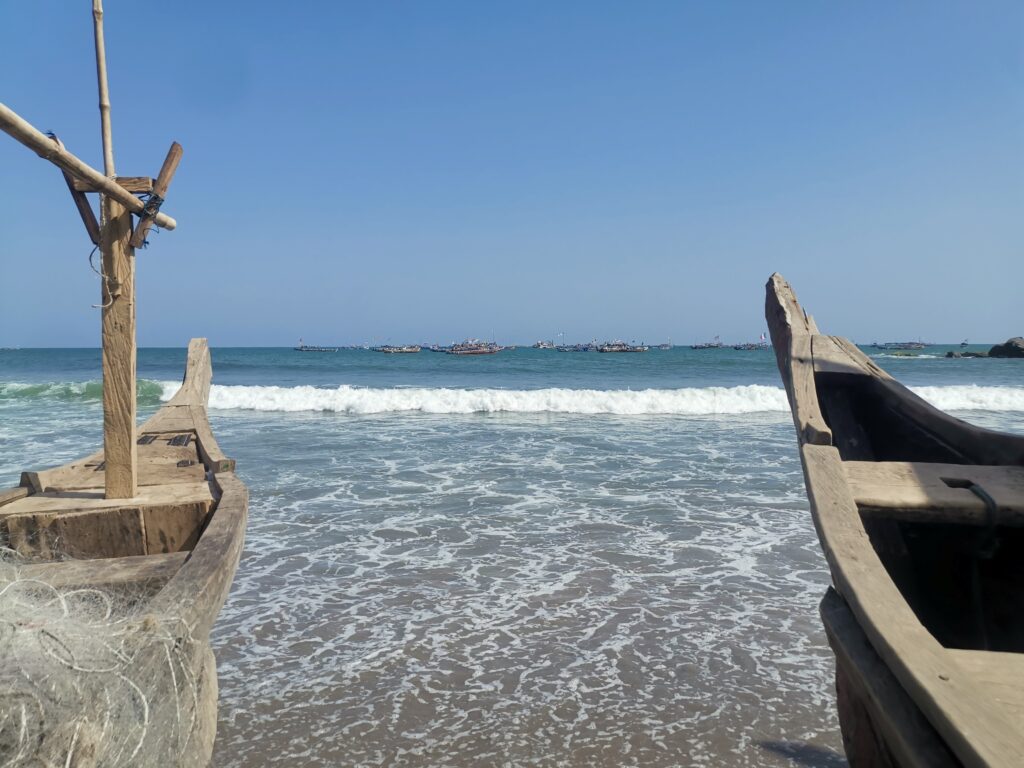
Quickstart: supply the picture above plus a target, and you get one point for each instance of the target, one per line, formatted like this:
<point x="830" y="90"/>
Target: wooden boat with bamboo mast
<point x="158" y="513"/>
<point x="921" y="517"/>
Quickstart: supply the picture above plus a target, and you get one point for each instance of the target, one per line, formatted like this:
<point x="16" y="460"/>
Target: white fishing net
<point x="89" y="678"/>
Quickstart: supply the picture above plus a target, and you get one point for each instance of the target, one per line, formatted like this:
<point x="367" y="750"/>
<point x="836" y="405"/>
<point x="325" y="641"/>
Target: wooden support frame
<point x="20" y="130"/>
<point x="119" y="351"/>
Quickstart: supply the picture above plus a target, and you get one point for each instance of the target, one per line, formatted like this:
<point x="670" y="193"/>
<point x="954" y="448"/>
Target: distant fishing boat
<point x="621" y="346"/>
<point x="408" y="349"/>
<point x="752" y="346"/>
<point x="313" y="348"/>
<point x="716" y="344"/>
<point x="919" y="515"/>
<point x="544" y="345"/>
<point x="666" y="346"/>
<point x="474" y="347"/>
<point x="590" y="346"/>
<point x="963" y="343"/>
<point x="891" y="345"/>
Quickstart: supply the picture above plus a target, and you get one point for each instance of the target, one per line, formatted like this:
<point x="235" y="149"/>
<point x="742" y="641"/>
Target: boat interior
<point x="61" y="524"/>
<point x="942" y="502"/>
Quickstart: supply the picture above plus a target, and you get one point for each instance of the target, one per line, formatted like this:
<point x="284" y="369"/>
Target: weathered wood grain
<point x="175" y="527"/>
<point x="791" y="340"/>
<point x="920" y="491"/>
<point x="157" y="463"/>
<point x="138" y="185"/>
<point x="12" y="494"/>
<point x="106" y="533"/>
<point x="904" y="730"/>
<point x="201" y="588"/>
<point x="195" y="385"/>
<point x="119" y="353"/>
<point x="163" y="181"/>
<point x="107" y="572"/>
<point x="1001" y="675"/>
<point x="94" y="500"/>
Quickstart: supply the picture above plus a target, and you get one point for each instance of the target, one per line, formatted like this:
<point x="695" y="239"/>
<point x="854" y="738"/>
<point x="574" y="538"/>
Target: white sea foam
<point x="689" y="401"/>
<point x="365" y="400"/>
<point x="971" y="397"/>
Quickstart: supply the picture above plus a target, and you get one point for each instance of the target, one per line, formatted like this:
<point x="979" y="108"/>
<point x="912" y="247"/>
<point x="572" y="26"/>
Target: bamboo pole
<point x="120" y="452"/>
<point x="23" y="132"/>
<point x="101" y="77"/>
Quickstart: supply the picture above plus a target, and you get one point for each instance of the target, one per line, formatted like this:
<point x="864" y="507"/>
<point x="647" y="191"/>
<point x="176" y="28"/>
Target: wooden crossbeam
<point x="20" y="130"/>
<point x="138" y="185"/>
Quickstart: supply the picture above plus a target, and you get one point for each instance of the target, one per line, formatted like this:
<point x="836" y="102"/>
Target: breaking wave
<point x="971" y="397"/>
<point x="690" y="401"/>
<point x="149" y="392"/>
<point x="367" y="400"/>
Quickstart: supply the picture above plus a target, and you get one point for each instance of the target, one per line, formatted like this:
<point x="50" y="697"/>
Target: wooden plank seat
<point x="1001" y="676"/>
<point x="153" y="571"/>
<point x="925" y="492"/>
<point x="164" y="457"/>
<point x="85" y="524"/>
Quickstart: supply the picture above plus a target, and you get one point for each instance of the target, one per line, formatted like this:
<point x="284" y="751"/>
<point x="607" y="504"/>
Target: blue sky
<point x="436" y="170"/>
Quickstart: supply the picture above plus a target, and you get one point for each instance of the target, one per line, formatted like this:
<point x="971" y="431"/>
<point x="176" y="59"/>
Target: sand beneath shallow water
<point x="527" y="591"/>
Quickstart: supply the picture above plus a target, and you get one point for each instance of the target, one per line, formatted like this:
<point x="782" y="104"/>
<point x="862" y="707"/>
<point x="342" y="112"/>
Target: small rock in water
<point x="1012" y="348"/>
<point x="953" y="353"/>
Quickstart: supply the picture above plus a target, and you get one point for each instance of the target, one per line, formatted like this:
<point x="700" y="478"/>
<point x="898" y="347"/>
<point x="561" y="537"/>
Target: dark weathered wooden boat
<point x="921" y="517"/>
<point x="120" y="562"/>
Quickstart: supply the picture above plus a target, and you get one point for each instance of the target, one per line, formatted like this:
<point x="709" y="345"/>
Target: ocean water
<point x="533" y="558"/>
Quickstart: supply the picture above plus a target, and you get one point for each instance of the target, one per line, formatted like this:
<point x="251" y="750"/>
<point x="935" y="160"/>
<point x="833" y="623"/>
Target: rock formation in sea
<point x="1012" y="348"/>
<point x="957" y="353"/>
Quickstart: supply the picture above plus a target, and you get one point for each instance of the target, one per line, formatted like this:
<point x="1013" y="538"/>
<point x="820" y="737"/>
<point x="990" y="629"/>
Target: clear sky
<point x="423" y="171"/>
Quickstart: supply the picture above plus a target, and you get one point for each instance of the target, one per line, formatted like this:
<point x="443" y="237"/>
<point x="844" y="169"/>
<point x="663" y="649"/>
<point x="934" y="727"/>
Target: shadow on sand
<point x="801" y="753"/>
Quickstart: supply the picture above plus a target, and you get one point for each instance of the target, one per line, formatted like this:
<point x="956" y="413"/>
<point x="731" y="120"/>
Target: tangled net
<point x="88" y="678"/>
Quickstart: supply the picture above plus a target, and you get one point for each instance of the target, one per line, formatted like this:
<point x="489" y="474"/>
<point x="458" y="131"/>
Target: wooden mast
<point x="118" y="307"/>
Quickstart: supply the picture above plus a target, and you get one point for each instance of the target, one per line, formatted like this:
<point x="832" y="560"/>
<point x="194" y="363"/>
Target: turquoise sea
<point x="532" y="558"/>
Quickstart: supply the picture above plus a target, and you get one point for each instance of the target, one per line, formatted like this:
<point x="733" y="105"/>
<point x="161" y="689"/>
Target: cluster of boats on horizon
<point x="478" y="347"/>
